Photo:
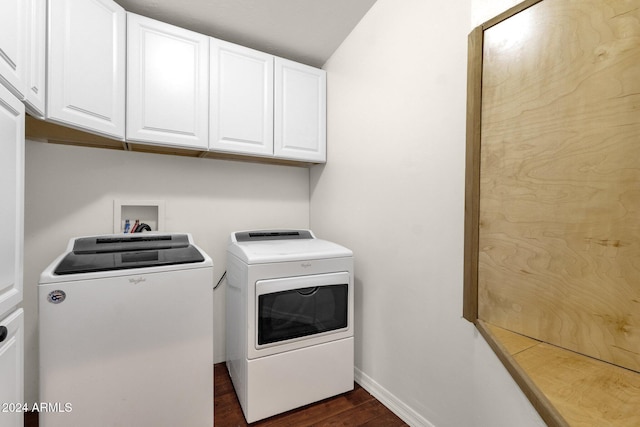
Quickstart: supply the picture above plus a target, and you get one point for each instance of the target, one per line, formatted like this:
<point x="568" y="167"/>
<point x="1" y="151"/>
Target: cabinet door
<point x="300" y="111"/>
<point x="35" y="76"/>
<point x="13" y="45"/>
<point x="86" y="65"/>
<point x="241" y="99"/>
<point x="12" y="367"/>
<point x="167" y="84"/>
<point x="12" y="197"/>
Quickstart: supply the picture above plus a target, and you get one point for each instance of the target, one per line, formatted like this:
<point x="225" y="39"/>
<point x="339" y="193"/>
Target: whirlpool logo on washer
<point x="305" y="265"/>
<point x="56" y="297"/>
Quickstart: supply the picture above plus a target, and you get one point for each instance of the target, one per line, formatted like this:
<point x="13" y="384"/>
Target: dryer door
<point x="294" y="310"/>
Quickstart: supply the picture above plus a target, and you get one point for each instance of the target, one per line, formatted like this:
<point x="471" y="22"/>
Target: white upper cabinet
<point x="13" y="45"/>
<point x="35" y="76"/>
<point x="241" y="100"/>
<point x="167" y="84"/>
<point x="300" y="112"/>
<point x="12" y="197"/>
<point x="86" y="65"/>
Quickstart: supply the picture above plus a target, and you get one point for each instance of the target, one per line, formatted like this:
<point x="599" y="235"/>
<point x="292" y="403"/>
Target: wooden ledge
<point x="567" y="388"/>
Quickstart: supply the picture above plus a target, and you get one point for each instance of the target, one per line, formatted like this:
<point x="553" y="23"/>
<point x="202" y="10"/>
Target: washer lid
<point x="267" y="251"/>
<point x="120" y="252"/>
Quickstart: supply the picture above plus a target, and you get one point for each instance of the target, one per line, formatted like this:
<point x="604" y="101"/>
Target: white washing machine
<point x="289" y="320"/>
<point x="126" y="333"/>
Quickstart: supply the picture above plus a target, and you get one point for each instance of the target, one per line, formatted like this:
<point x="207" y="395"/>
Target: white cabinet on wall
<point x="13" y="45"/>
<point x="300" y="112"/>
<point x="86" y="65"/>
<point x="177" y="88"/>
<point x="36" y="42"/>
<point x="22" y="51"/>
<point x="241" y="100"/>
<point x="12" y="199"/>
<point x="11" y="254"/>
<point x="167" y="84"/>
<point x="12" y="367"/>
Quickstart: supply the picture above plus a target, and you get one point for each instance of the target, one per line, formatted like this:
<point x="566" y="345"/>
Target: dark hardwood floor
<point x="355" y="408"/>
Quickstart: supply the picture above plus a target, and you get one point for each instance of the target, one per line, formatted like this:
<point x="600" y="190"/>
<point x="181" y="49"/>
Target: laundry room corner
<point x="223" y="212"/>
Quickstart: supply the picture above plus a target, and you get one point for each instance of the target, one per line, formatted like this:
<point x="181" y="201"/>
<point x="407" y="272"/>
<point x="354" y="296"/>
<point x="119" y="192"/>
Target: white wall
<point x="483" y="10"/>
<point x="70" y="192"/>
<point x="393" y="191"/>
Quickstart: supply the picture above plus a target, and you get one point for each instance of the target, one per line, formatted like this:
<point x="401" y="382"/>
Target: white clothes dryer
<point x="289" y="320"/>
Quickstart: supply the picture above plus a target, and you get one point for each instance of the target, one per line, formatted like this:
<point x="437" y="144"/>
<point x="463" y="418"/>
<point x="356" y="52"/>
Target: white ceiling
<point x="307" y="31"/>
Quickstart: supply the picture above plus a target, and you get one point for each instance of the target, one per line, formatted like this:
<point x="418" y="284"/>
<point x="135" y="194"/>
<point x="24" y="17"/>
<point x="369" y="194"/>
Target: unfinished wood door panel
<point x="559" y="222"/>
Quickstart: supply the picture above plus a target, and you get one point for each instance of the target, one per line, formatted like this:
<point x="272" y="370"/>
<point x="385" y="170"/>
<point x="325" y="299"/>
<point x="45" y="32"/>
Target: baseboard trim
<point x="395" y="405"/>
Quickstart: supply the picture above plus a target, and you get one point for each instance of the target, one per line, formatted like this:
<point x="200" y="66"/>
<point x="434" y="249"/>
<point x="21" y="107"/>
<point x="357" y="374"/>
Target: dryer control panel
<point x="258" y="235"/>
